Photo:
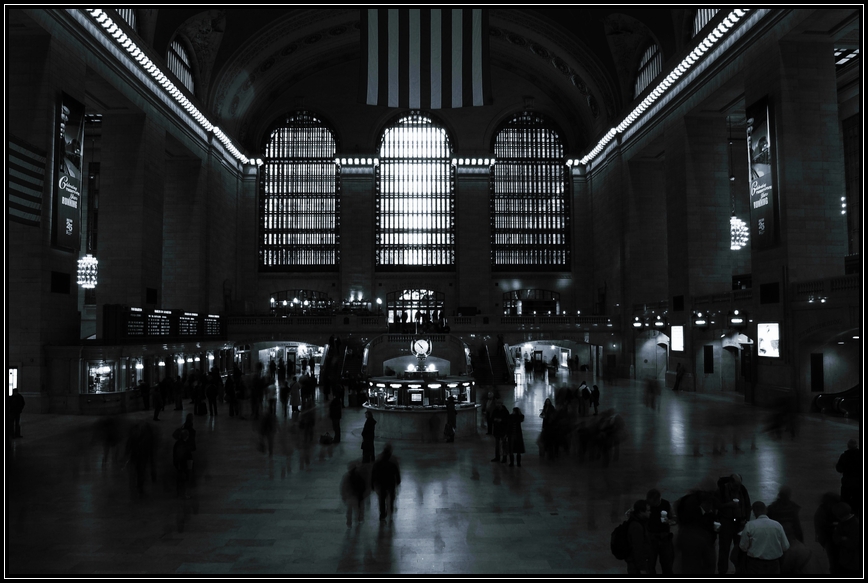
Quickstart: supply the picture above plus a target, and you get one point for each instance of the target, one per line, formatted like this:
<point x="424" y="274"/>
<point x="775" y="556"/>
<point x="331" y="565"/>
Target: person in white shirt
<point x="764" y="542"/>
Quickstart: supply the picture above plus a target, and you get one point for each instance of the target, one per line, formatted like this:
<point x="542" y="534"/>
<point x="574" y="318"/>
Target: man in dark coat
<point x="368" y="437"/>
<point x="385" y="478"/>
<point x="451" y="419"/>
<point x="733" y="509"/>
<point x="515" y="438"/>
<point x="850" y="467"/>
<point x="640" y="549"/>
<point x="16" y="406"/>
<point x="499" y="425"/>
<point x="658" y="533"/>
<point x="335" y="408"/>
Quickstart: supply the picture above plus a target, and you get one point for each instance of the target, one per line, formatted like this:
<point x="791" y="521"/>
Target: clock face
<point x="421" y="347"/>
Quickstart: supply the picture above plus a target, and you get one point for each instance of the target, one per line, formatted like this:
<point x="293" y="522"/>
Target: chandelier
<point x="738" y="233"/>
<point x="87" y="271"/>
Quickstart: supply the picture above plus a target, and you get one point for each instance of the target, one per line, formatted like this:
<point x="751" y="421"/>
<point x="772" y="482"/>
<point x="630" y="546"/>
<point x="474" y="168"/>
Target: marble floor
<point x="70" y="513"/>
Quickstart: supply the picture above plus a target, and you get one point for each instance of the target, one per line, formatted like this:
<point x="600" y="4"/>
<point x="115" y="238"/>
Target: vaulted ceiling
<point x="248" y="60"/>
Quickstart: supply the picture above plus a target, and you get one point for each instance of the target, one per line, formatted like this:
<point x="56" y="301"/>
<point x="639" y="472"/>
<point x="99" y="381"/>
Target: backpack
<point x="620" y="542"/>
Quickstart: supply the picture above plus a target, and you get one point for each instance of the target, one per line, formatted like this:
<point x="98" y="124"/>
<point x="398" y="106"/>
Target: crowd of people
<point x="710" y="530"/>
<point x="722" y="527"/>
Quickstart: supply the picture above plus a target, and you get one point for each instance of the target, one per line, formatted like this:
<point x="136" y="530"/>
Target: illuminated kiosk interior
<point x="409" y="400"/>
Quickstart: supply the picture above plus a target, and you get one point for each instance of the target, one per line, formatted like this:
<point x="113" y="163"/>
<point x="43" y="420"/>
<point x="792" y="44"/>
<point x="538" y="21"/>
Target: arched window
<point x="650" y="66"/>
<point x="703" y="16"/>
<point x="530" y="203"/>
<point x="179" y="64"/>
<point x="299" y="202"/>
<point x="129" y="15"/>
<point x="415" y="210"/>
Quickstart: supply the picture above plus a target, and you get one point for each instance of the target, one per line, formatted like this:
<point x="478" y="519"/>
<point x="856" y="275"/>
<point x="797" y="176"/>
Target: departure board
<point x="188" y="324"/>
<point x="212" y="325"/>
<point x="135" y="322"/>
<point x="159" y="323"/>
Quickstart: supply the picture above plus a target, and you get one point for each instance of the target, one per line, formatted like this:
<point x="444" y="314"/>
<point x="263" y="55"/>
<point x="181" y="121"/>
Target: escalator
<point x="846" y="403"/>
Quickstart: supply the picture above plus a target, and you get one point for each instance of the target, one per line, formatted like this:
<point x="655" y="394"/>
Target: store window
<point x="299" y="197"/>
<point x="530" y="203"/>
<point x="101" y="376"/>
<point x="415" y="201"/>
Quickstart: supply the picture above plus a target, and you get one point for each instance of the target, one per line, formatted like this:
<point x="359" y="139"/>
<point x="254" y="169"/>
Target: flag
<point x="425" y="58"/>
<point x="25" y="180"/>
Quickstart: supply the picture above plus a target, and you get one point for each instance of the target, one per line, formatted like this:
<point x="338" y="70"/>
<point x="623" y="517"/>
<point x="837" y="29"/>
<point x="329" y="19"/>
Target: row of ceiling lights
<point x="150" y="67"/>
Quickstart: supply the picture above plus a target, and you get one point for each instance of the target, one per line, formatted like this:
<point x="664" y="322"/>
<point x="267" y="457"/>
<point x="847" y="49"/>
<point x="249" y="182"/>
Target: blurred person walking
<point x="385" y="478"/>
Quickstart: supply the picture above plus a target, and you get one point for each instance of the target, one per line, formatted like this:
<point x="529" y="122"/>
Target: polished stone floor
<point x="68" y="513"/>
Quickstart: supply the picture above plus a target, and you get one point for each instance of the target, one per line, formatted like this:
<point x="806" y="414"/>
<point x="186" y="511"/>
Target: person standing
<point x="848" y="539"/>
<point x="231" y="397"/>
<point x="283" y="395"/>
<point x="595" y="398"/>
<point x="295" y="395"/>
<point x="764" y="543"/>
<point x="281" y="371"/>
<point x="335" y="407"/>
<point x="499" y="423"/>
<point x="145" y="393"/>
<point x="182" y="459"/>
<point x="385" y="478"/>
<point x="451" y="419"/>
<point x="637" y="560"/>
<point x="584" y="399"/>
<point x="679" y="374"/>
<point x="368" y="437"/>
<point x="733" y="507"/>
<point x="850" y="467"/>
<point x="157" y="400"/>
<point x="696" y="532"/>
<point x="824" y="528"/>
<point x="211" y="391"/>
<point x="353" y="493"/>
<point x="257" y="391"/>
<point x="16" y="406"/>
<point x="659" y="535"/>
<point x="786" y="512"/>
<point x="515" y="438"/>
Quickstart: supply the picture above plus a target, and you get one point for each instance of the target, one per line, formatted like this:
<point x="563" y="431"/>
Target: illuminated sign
<point x="769" y="339"/>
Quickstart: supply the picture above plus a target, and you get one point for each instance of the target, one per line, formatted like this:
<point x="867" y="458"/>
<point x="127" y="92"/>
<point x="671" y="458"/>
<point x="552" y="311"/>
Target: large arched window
<point x="179" y="64"/>
<point x="650" y="66"/>
<point x="530" y="203"/>
<point x="415" y="197"/>
<point x="129" y="15"/>
<point x="702" y="17"/>
<point x="299" y="200"/>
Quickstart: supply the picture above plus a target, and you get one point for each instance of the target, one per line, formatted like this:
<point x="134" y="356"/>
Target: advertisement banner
<point x="66" y="216"/>
<point x="763" y="187"/>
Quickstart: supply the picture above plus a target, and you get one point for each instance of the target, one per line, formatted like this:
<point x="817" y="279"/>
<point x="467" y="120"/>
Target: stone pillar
<point x="131" y="213"/>
<point x="357" y="217"/>
<point x="472" y="242"/>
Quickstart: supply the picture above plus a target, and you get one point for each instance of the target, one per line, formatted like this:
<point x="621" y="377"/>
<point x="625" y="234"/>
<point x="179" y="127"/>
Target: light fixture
<point x="88" y="267"/>
<point x="699" y="320"/>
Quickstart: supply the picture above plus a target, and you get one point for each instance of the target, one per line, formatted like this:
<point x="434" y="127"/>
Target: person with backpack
<point x="630" y="540"/>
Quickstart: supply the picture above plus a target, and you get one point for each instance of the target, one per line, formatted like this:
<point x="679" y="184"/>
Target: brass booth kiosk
<point x="411" y="403"/>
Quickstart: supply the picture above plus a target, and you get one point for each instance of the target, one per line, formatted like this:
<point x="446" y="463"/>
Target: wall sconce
<point x="699" y="320"/>
<point x="737" y="319"/>
<point x="659" y="322"/>
<point x="638" y="322"/>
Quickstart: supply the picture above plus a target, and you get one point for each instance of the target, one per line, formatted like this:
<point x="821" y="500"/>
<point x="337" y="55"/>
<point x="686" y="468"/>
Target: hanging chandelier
<point x="738" y="233"/>
<point x="87" y="271"/>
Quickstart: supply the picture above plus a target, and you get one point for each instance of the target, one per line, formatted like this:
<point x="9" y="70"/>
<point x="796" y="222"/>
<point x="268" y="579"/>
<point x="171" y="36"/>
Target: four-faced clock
<point x="421" y="347"/>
